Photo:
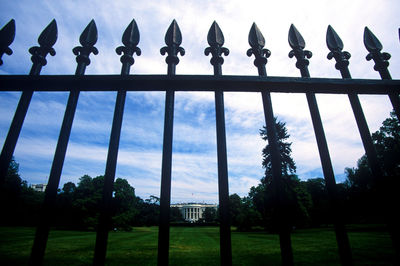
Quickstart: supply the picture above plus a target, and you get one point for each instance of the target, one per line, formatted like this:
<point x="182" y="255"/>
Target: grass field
<point x="196" y="246"/>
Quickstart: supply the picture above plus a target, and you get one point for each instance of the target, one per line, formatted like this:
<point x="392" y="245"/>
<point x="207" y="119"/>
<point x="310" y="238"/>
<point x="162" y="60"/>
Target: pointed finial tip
<point x="256" y="39"/>
<point x="215" y="35"/>
<point x="131" y="34"/>
<point x="12" y="22"/>
<point x="333" y="40"/>
<point x="173" y="35"/>
<point x="49" y="35"/>
<point x="89" y="34"/>
<point x="295" y="38"/>
<point x="7" y="35"/>
<point x="371" y="42"/>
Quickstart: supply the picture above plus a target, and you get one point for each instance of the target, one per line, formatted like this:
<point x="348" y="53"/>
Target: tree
<point x="387" y="145"/>
<point x="235" y="207"/>
<point x="243" y="213"/>
<point x="18" y="202"/>
<point x="319" y="212"/>
<point x="368" y="195"/>
<point x="150" y="211"/>
<point x="125" y="205"/>
<point x="297" y="199"/>
<point x="210" y="215"/>
<point x="176" y="215"/>
<point x="288" y="165"/>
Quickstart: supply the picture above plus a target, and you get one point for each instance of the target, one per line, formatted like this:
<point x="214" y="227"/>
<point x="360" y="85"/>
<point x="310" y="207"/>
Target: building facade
<point x="39" y="187"/>
<point x="193" y="212"/>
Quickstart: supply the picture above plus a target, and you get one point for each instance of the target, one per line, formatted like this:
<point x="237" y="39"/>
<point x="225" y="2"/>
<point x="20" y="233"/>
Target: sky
<point x="194" y="160"/>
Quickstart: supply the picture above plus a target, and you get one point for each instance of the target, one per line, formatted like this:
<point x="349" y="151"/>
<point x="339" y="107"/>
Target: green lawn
<point x="196" y="246"/>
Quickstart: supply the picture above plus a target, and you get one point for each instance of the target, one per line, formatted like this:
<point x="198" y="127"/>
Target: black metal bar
<point x="43" y="229"/>
<point x="296" y="41"/>
<point x="197" y="83"/>
<point x="173" y="39"/>
<point x="46" y="41"/>
<point x="257" y="43"/>
<point x="130" y="40"/>
<point x="215" y="39"/>
<point x="335" y="45"/>
<point x="388" y="201"/>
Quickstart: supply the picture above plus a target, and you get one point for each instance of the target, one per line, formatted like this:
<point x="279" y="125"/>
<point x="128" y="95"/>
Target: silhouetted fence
<point x="217" y="83"/>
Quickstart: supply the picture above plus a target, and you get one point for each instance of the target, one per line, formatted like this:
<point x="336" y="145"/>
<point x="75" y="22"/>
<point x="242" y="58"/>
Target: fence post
<point x="257" y="43"/>
<point x="297" y="43"/>
<point x="87" y="40"/>
<point x="46" y="40"/>
<point x="215" y="39"/>
<point x="130" y="39"/>
<point x="173" y="40"/>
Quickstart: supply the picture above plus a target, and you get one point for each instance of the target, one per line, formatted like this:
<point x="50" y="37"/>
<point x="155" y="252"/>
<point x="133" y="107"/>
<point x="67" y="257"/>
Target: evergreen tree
<point x="297" y="199"/>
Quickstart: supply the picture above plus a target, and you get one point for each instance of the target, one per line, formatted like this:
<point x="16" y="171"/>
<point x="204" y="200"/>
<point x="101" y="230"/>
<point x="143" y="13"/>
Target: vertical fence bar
<point x="297" y="43"/>
<point x="216" y="40"/>
<point x="130" y="39"/>
<point x="173" y="40"/>
<point x="46" y="41"/>
<point x="87" y="40"/>
<point x="257" y="43"/>
<point x="335" y="45"/>
<point x="388" y="201"/>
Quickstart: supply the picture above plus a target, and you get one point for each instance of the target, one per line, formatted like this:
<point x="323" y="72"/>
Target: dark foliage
<point x="369" y="197"/>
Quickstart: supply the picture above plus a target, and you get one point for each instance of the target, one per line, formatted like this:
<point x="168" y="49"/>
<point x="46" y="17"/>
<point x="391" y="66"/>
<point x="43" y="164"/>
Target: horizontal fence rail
<point x="197" y="83"/>
<point x="216" y="83"/>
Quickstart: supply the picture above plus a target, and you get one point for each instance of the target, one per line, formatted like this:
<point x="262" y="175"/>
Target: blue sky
<point x="194" y="170"/>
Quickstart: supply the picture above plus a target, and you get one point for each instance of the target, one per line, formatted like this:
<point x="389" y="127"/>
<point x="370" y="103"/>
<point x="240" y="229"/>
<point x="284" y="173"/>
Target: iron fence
<point x="217" y="83"/>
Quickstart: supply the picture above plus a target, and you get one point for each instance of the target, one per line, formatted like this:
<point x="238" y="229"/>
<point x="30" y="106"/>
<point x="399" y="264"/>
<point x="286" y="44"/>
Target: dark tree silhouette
<point x="298" y="200"/>
<point x="288" y="165"/>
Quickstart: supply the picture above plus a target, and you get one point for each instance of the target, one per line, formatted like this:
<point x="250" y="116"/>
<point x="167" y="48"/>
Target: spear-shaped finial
<point x="130" y="39"/>
<point x="173" y="40"/>
<point x="374" y="48"/>
<point x="87" y="39"/>
<point x="257" y="43"/>
<point x="46" y="40"/>
<point x="335" y="45"/>
<point x="7" y="34"/>
<point x="215" y="39"/>
<point x="298" y="44"/>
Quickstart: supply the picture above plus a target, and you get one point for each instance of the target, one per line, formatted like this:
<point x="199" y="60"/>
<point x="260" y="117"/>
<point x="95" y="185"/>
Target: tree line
<point x="361" y="197"/>
<point x="78" y="205"/>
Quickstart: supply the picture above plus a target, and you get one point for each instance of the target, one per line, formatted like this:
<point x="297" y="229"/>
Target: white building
<point x="192" y="212"/>
<point x="39" y="187"/>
